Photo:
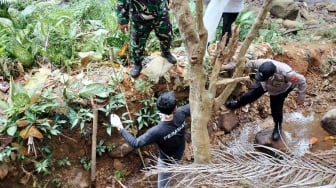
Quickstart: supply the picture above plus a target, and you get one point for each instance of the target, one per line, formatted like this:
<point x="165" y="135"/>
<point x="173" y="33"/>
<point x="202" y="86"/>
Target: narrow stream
<point x="299" y="129"/>
<point x="297" y="132"/>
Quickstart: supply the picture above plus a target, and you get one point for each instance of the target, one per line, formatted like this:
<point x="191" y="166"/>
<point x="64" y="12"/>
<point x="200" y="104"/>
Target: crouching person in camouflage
<point x="145" y="16"/>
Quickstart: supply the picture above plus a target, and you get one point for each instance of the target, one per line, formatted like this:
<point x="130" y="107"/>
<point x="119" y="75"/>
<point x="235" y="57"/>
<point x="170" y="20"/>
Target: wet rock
<point x="120" y="151"/>
<point x="286" y="9"/>
<point x="227" y="121"/>
<point x="328" y="122"/>
<point x="264" y="137"/>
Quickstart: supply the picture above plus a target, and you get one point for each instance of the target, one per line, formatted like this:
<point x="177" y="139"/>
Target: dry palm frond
<point x="242" y="165"/>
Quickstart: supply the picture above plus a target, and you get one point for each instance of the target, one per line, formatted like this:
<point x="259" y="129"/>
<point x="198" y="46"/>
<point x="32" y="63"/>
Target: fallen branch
<point x="69" y="138"/>
<point x="94" y="141"/>
<point x="121" y="184"/>
<point x="299" y="29"/>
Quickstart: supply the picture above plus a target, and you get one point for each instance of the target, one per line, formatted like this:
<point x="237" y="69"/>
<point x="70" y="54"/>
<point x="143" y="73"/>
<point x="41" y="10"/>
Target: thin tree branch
<point x="224" y="54"/>
<point x="241" y="54"/>
<point x="227" y="81"/>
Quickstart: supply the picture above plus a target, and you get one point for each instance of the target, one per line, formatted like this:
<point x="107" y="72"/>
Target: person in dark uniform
<point x="168" y="134"/>
<point x="230" y="14"/>
<point x="145" y="16"/>
<point x="278" y="79"/>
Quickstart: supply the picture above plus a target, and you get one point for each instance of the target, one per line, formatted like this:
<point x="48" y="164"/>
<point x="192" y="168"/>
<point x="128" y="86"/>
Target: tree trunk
<point x="202" y="100"/>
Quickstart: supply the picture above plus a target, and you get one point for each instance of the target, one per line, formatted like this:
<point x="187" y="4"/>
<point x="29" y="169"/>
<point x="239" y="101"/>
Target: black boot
<point x="170" y="58"/>
<point x="135" y="72"/>
<point x="276" y="131"/>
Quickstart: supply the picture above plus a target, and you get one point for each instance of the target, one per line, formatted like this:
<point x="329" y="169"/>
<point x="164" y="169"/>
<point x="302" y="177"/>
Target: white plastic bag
<point x="212" y="17"/>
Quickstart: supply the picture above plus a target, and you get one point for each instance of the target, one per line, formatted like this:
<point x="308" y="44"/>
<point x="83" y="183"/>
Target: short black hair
<point x="166" y="102"/>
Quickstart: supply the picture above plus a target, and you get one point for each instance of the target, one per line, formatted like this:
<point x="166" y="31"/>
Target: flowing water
<point x="298" y="130"/>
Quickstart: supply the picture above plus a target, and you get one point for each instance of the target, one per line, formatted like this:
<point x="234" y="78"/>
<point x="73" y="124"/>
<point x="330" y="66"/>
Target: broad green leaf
<point x="37" y="80"/>
<point x="74" y="123"/>
<point x="12" y="130"/>
<point x="95" y="89"/>
<point x="109" y="131"/>
<point x="54" y="132"/>
<point x="20" y="99"/>
<point x="28" y="10"/>
<point x="5" y="22"/>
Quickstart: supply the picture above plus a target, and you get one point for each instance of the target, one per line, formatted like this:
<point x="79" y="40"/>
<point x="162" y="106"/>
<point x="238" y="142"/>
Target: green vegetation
<point x="147" y="116"/>
<point x="61" y="35"/>
<point x="58" y="33"/>
<point x="64" y="162"/>
<point x="43" y="166"/>
<point x="244" y="20"/>
<point x="119" y="174"/>
<point x="330" y="33"/>
<point x="271" y="34"/>
<point x="85" y="162"/>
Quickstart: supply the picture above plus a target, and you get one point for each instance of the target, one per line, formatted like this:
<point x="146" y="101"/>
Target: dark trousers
<point x="228" y="19"/>
<point x="277" y="101"/>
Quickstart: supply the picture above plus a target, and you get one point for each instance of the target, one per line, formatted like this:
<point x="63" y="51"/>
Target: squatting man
<point x="278" y="79"/>
<point x="168" y="134"/>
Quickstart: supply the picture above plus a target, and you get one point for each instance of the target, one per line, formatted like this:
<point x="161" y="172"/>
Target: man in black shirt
<point x="168" y="134"/>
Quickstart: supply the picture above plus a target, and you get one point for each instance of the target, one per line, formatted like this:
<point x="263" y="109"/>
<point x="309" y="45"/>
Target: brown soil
<point x="310" y="58"/>
<point x="320" y="93"/>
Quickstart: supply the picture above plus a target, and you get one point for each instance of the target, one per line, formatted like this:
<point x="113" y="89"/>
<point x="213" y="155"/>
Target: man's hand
<point x="124" y="28"/>
<point x="115" y="122"/>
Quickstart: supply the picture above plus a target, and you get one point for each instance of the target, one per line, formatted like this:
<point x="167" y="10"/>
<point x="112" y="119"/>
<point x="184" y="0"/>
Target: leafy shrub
<point x="148" y="115"/>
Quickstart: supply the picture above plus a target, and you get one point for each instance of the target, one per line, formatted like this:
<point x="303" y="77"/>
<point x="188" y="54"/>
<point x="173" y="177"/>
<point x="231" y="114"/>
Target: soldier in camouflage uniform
<point x="145" y="16"/>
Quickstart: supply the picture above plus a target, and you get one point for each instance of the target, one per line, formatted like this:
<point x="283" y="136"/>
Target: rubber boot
<point x="135" y="72"/>
<point x="276" y="132"/>
<point x="170" y="58"/>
